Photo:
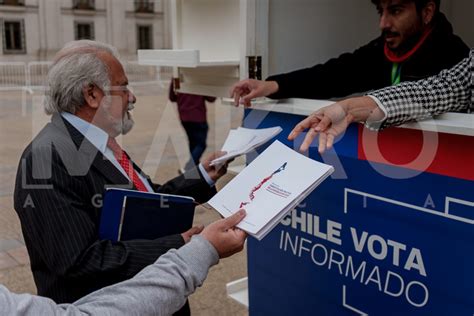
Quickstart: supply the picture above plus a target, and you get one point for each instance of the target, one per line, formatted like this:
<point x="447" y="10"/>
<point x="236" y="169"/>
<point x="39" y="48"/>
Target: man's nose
<point x="385" y="21"/>
<point x="131" y="97"/>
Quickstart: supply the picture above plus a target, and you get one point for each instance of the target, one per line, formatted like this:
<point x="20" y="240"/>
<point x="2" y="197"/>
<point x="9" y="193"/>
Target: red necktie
<point x="126" y="164"/>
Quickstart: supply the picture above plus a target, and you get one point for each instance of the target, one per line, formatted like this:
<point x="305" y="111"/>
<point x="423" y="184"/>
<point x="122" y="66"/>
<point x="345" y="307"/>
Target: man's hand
<point x="328" y="122"/>
<point x="331" y="121"/>
<point x="223" y="235"/>
<point x="217" y="171"/>
<point x="244" y="91"/>
<point x="191" y="232"/>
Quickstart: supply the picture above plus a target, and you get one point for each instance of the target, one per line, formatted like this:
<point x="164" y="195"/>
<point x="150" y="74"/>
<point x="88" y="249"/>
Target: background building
<point x="34" y="30"/>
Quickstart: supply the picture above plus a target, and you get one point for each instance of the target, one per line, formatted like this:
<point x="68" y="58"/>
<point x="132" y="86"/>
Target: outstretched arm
<point x="159" y="289"/>
<point x="333" y="120"/>
<point x="450" y="90"/>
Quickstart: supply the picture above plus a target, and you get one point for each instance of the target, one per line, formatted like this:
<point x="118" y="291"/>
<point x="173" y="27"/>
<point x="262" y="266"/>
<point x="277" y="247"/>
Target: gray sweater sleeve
<point x="159" y="289"/>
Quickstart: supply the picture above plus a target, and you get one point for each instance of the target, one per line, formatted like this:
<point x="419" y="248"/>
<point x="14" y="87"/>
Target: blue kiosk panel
<point x="365" y="242"/>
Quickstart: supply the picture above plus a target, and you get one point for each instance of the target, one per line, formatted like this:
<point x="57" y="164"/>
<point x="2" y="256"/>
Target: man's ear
<point x="428" y="12"/>
<point x="92" y="95"/>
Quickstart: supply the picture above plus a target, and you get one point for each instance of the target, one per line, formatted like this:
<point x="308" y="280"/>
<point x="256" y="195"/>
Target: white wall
<point x="306" y="32"/>
<point x="117" y="25"/>
<point x="50" y="33"/>
<point x="210" y="26"/>
<point x="461" y="15"/>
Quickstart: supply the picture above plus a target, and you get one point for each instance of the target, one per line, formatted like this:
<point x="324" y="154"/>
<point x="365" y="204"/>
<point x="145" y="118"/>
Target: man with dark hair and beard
<point x="66" y="169"/>
<point x="417" y="41"/>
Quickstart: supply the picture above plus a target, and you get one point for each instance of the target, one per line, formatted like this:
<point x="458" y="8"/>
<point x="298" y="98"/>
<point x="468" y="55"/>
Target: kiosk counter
<point x="390" y="233"/>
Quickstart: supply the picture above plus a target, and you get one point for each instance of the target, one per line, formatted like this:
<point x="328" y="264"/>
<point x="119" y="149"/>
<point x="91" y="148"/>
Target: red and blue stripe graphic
<point x="432" y="152"/>
<point x="256" y="188"/>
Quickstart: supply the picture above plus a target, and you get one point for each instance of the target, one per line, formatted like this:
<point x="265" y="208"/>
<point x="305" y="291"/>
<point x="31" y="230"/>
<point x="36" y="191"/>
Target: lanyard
<point x="396" y="73"/>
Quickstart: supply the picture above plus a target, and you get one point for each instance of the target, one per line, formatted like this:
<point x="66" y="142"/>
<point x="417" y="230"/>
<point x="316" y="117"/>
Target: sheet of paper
<point x="275" y="179"/>
<point x="242" y="140"/>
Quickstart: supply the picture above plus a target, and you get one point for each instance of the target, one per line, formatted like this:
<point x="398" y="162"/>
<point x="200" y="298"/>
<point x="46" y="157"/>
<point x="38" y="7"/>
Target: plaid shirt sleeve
<point x="450" y="90"/>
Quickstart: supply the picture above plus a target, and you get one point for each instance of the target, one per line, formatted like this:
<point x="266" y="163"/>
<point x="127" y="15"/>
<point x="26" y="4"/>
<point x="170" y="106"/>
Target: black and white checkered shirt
<point x="451" y="90"/>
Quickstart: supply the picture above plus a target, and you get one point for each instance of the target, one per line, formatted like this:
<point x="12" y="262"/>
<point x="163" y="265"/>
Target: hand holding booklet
<point x="242" y="140"/>
<point x="269" y="188"/>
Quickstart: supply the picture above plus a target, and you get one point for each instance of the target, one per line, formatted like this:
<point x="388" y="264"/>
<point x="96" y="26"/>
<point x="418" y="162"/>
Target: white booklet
<point x="242" y="140"/>
<point x="269" y="188"/>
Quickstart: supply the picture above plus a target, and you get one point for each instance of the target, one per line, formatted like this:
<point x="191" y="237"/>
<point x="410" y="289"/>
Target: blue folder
<point x="129" y="214"/>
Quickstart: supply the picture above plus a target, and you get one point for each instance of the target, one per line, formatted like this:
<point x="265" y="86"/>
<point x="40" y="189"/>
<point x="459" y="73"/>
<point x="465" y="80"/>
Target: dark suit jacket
<point x="60" y="181"/>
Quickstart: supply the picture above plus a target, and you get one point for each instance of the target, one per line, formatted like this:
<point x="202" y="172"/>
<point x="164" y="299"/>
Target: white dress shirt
<point x="99" y="138"/>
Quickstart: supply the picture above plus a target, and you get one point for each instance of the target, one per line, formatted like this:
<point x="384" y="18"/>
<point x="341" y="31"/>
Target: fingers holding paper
<point x="224" y="236"/>
<point x="244" y="91"/>
<point x="217" y="170"/>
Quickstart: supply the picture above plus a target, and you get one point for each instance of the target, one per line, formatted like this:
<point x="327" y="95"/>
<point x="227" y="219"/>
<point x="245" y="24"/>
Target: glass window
<point x="14" y="37"/>
<point x="12" y="2"/>
<point x="84" y="4"/>
<point x="145" y="40"/>
<point x="84" y="31"/>
<point x="146" y="6"/>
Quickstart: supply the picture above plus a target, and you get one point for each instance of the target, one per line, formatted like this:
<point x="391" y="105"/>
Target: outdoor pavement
<point x="157" y="143"/>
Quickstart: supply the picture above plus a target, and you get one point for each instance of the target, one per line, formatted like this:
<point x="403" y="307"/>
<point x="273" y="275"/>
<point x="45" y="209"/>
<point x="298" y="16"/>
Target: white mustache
<point x="130" y="107"/>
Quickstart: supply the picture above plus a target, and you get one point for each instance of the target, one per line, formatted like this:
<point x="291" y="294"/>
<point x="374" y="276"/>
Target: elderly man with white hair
<point x="64" y="171"/>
